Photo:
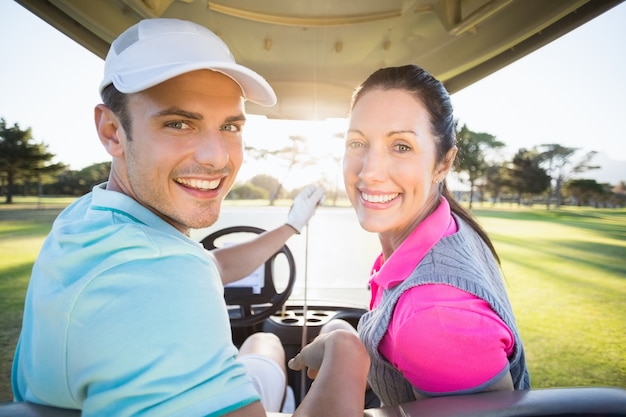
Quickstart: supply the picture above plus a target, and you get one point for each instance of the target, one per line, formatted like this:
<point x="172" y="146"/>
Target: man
<point x="124" y="314"/>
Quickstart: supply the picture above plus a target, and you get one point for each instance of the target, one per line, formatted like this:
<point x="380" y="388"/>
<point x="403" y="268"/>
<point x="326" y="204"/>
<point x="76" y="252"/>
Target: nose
<point x="211" y="150"/>
<point x="373" y="166"/>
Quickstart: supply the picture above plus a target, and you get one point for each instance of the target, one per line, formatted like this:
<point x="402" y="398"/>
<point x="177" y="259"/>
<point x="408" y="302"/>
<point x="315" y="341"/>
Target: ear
<point x="446" y="165"/>
<point x="110" y="130"/>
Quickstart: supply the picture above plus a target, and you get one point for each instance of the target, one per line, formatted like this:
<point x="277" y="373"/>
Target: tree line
<point x="549" y="174"/>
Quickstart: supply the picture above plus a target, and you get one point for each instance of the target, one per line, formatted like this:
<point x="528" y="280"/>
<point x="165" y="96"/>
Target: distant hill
<point x="611" y="171"/>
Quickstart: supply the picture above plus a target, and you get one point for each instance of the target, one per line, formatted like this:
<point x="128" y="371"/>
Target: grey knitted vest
<point x="461" y="260"/>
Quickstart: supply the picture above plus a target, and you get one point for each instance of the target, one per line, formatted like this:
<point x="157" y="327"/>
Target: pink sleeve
<point x="446" y="340"/>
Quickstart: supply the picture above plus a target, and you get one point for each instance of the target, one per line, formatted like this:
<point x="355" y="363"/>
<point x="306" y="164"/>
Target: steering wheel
<point x="255" y="306"/>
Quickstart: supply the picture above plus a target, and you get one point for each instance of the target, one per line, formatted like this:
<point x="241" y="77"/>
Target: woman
<point x="440" y="322"/>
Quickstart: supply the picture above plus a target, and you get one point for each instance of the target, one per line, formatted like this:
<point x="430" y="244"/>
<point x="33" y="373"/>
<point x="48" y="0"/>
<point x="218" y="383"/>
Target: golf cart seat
<point x="583" y="401"/>
<point x="553" y="402"/>
<point x="14" y="409"/>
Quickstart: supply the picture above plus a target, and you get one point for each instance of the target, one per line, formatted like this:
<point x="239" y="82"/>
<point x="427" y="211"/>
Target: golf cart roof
<point x="314" y="52"/>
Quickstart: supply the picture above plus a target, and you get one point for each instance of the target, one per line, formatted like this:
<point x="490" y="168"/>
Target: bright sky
<point x="570" y="92"/>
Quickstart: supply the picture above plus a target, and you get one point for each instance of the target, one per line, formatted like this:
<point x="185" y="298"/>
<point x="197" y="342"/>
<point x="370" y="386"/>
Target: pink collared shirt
<point x="442" y="339"/>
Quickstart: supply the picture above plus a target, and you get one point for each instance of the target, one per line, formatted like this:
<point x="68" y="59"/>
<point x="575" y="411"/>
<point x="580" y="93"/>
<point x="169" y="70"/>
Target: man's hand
<point x="342" y="343"/>
<point x="339" y="363"/>
<point x="304" y="206"/>
<point x="311" y="357"/>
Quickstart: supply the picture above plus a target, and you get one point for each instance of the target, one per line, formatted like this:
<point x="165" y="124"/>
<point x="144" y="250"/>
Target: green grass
<point x="23" y="226"/>
<point x="565" y="271"/>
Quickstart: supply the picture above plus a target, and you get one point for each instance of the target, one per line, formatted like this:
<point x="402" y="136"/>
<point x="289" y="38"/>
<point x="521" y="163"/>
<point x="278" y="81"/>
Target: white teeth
<point x="202" y="185"/>
<point x="379" y="198"/>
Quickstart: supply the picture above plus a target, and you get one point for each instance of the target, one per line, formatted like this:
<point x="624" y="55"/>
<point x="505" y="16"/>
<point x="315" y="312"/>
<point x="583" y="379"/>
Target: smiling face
<point x="185" y="148"/>
<point x="390" y="170"/>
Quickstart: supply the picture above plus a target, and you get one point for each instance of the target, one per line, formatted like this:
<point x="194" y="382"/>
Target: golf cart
<point x="261" y="302"/>
<point x="314" y="53"/>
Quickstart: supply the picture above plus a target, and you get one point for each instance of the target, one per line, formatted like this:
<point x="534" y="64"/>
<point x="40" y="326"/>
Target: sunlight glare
<point x="320" y="153"/>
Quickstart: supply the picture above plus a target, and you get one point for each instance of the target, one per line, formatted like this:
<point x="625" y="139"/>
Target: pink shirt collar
<point x="410" y="253"/>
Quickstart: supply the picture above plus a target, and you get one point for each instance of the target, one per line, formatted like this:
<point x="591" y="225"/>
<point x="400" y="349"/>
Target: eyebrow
<point x="393" y="132"/>
<point x="237" y="118"/>
<point x="175" y="111"/>
<point x="403" y="132"/>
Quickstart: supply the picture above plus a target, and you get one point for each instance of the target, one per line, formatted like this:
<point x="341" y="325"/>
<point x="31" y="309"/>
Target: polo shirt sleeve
<point x="445" y="340"/>
<point x="151" y="336"/>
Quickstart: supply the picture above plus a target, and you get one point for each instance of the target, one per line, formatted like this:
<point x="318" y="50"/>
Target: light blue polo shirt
<point x="125" y="315"/>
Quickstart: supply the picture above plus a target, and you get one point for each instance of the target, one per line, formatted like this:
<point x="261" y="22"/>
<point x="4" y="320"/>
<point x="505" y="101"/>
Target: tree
<point x="620" y="188"/>
<point x="618" y="195"/>
<point x="293" y="155"/>
<point x="471" y="157"/>
<point x="93" y="175"/>
<point x="526" y="176"/>
<point x="247" y="191"/>
<point x="79" y="182"/>
<point x="268" y="183"/>
<point x="585" y="191"/>
<point x="496" y="176"/>
<point x="21" y="159"/>
<point x="557" y="161"/>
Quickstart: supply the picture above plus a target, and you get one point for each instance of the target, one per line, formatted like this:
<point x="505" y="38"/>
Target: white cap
<point x="155" y="50"/>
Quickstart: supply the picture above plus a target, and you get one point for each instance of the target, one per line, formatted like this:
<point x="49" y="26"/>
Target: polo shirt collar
<point x="389" y="273"/>
<point x="108" y="200"/>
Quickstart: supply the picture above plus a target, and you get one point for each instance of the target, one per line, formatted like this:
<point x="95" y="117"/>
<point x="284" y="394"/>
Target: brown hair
<point x="118" y="103"/>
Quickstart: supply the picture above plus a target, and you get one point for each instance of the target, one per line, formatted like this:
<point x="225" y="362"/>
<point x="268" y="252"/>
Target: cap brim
<point x="253" y="86"/>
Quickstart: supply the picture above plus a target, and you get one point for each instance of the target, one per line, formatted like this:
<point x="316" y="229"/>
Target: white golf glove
<point x="304" y="206"/>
